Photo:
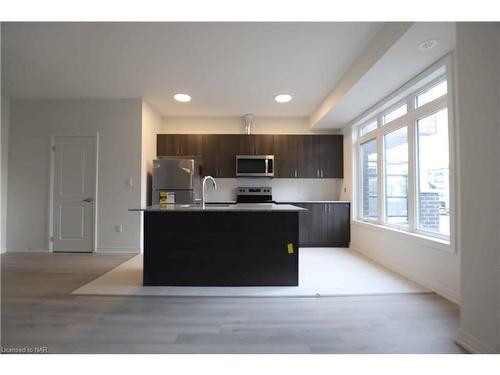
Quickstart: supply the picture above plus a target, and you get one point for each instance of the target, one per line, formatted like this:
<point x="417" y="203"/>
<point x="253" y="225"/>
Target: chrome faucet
<point x="203" y="189"/>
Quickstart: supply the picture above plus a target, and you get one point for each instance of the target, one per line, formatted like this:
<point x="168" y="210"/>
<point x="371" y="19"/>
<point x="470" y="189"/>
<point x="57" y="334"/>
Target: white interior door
<point x="73" y="193"/>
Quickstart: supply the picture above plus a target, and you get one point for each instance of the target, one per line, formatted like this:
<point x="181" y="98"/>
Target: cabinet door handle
<point x="295" y="173"/>
<point x="322" y="173"/>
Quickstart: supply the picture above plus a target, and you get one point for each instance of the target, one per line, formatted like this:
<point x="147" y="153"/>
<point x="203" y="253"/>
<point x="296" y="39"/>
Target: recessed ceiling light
<point x="427" y="44"/>
<point x="184" y="98"/>
<point x="283" y="98"/>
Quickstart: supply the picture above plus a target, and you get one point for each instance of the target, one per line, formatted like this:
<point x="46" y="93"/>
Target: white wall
<point x="118" y="122"/>
<point x="5" y="109"/>
<point x="234" y="125"/>
<point x="283" y="189"/>
<point x="151" y="126"/>
<point x="478" y="73"/>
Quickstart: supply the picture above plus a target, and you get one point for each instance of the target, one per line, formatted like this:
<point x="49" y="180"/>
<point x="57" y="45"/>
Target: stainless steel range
<point x="254" y="195"/>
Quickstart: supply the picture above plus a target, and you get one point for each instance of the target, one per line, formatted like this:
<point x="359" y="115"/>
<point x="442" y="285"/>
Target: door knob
<point x="88" y="200"/>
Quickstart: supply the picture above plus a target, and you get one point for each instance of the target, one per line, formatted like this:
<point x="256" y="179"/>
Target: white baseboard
<point x="442" y="290"/>
<point x="472" y="344"/>
<point x="127" y="250"/>
<point x="28" y="251"/>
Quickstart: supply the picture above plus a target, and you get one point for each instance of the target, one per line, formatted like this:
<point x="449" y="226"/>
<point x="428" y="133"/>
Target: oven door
<point x="255" y="166"/>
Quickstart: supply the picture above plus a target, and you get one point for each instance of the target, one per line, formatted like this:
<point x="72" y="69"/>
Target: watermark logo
<point x="24" y="350"/>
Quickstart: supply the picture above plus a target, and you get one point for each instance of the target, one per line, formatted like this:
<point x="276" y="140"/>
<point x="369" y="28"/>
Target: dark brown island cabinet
<point x="221" y="246"/>
<point x="296" y="156"/>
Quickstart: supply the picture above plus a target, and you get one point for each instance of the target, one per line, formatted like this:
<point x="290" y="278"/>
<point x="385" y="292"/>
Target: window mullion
<point x="412" y="174"/>
<point x="380" y="179"/>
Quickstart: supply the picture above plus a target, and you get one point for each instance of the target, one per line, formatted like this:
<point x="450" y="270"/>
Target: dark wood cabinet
<point x="308" y="156"/>
<point x="211" y="155"/>
<point x="228" y="149"/>
<point x="304" y="219"/>
<point x="324" y="224"/>
<point x="318" y="226"/>
<point x="246" y="145"/>
<point x="264" y="144"/>
<point x="295" y="156"/>
<point x="256" y="144"/>
<point x="338" y="233"/>
<point x="285" y="156"/>
<point x="219" y="155"/>
<point x="330" y="156"/>
<point x="179" y="145"/>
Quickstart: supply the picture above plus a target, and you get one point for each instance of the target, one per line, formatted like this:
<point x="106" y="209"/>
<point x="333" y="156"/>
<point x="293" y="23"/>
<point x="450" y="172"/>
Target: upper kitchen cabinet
<point x="285" y="156"/>
<point x="295" y="156"/>
<point x="308" y="156"/>
<point x="179" y="145"/>
<point x="320" y="156"/>
<point x="331" y="156"/>
<point x="256" y="144"/>
<point x="219" y="155"/>
<point x="264" y="144"/>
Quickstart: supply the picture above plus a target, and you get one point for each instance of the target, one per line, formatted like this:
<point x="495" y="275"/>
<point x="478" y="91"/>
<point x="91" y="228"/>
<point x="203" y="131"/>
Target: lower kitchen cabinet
<point x="338" y="232"/>
<point x="324" y="224"/>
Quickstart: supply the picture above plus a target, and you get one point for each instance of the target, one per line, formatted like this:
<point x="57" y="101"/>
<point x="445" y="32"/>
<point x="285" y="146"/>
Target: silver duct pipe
<point x="248" y="122"/>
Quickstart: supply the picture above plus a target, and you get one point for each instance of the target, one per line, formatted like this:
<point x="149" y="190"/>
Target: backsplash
<point x="284" y="189"/>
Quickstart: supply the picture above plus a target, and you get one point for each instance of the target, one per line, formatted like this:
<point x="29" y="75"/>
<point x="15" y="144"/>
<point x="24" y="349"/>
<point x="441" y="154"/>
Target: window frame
<point x="384" y="219"/>
<point x="441" y="70"/>
<point x="361" y="213"/>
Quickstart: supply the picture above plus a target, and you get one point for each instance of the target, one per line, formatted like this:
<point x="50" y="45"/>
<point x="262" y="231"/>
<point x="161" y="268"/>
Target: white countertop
<point x="289" y="202"/>
<point x="265" y="207"/>
<point x="282" y="202"/>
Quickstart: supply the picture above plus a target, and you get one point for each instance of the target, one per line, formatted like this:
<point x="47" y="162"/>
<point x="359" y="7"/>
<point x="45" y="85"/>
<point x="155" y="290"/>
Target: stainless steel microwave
<point x="255" y="165"/>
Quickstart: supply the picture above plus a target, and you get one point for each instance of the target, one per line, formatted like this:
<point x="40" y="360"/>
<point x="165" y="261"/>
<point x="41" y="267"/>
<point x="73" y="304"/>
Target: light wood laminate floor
<point x="38" y="310"/>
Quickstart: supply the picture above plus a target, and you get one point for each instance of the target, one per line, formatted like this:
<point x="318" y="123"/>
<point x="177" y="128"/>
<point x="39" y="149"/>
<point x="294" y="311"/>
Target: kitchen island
<point x="221" y="245"/>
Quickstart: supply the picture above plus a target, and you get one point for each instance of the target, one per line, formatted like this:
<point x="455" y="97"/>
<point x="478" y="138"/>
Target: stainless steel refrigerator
<point x="176" y="180"/>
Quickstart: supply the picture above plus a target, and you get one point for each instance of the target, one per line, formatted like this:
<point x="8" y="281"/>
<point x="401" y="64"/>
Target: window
<point x="369" y="177"/>
<point x="433" y="173"/>
<point x="396" y="176"/>
<point x="411" y="142"/>
<point x="431" y="94"/>
<point x="368" y="127"/>
<point x="395" y="113"/>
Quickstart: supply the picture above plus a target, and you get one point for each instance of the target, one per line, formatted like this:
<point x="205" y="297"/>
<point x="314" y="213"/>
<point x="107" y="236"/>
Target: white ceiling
<point x="228" y="68"/>
<point x="400" y="63"/>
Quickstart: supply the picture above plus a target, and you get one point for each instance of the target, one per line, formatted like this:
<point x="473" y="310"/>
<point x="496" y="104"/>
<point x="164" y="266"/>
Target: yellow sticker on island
<point x="290" y="248"/>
